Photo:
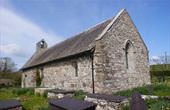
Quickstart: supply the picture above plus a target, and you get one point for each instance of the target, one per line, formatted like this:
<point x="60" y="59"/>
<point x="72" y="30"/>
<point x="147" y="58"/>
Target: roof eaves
<point x="43" y="63"/>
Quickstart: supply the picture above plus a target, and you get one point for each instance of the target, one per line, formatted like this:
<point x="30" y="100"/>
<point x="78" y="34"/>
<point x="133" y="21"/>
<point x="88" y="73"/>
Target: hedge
<point x="160" y="70"/>
<point x="160" y="73"/>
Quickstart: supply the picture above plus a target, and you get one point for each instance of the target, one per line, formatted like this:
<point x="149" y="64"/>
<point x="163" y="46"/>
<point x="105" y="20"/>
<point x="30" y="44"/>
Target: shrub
<point x="158" y="104"/>
<point x="154" y="104"/>
<point x="22" y="91"/>
<point x="15" y="77"/>
<point x="45" y="94"/>
<point x="40" y="108"/>
<point x="160" y="72"/>
<point x="160" y="67"/>
<point x="160" y="89"/>
<point x="29" y="102"/>
<point x="80" y="95"/>
<point x="38" y="78"/>
<point x="35" y="103"/>
<point x="143" y="90"/>
<point x="38" y="94"/>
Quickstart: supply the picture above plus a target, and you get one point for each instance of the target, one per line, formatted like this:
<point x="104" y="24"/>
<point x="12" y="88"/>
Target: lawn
<point x="158" y="89"/>
<point x="29" y="100"/>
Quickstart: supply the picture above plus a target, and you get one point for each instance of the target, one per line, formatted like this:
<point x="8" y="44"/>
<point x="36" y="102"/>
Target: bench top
<point x="8" y="104"/>
<point x="68" y="103"/>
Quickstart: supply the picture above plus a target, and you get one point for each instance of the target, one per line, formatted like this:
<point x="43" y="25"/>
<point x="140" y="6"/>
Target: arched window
<point x="129" y="56"/>
<point x="75" y="65"/>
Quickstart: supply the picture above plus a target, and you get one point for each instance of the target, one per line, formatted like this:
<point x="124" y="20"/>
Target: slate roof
<point x="77" y="44"/>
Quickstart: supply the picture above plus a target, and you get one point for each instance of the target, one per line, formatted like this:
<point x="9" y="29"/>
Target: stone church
<point x="106" y="58"/>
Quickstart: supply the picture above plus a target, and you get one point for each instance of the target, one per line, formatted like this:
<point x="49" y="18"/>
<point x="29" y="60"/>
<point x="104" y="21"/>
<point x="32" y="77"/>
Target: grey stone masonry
<point x="62" y="75"/>
<point x="107" y="58"/>
<point x="111" y="73"/>
<point x="107" y="102"/>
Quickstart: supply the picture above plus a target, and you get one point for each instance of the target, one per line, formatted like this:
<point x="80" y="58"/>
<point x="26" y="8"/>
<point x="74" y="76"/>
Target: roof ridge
<point x="87" y="30"/>
<point x="79" y="43"/>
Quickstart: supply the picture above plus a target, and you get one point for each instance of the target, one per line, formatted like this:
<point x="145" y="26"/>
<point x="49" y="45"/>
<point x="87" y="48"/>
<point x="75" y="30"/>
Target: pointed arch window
<point x="126" y="56"/>
<point x="129" y="56"/>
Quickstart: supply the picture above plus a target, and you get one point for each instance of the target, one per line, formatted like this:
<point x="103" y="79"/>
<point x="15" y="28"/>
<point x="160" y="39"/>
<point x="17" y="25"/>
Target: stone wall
<point x="28" y="78"/>
<point x="111" y="74"/>
<point x="108" y="103"/>
<point x="62" y="75"/>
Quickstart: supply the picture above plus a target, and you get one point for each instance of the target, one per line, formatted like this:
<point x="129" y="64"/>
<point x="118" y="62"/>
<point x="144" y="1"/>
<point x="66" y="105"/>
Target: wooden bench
<point x="11" y="104"/>
<point x="68" y="103"/>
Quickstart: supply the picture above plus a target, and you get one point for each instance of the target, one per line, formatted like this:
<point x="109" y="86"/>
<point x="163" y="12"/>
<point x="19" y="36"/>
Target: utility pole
<point x="165" y="66"/>
<point x="166" y="60"/>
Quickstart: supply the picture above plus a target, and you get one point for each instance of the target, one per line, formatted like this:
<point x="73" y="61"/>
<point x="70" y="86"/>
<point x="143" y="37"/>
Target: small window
<point x="42" y="72"/>
<point x="75" y="65"/>
<point x="25" y="75"/>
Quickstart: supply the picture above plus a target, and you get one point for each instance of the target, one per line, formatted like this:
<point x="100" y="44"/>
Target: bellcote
<point x="41" y="45"/>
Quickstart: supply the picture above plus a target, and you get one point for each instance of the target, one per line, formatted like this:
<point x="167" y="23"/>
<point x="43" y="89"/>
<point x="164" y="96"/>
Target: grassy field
<point x="29" y="100"/>
<point x="158" y="89"/>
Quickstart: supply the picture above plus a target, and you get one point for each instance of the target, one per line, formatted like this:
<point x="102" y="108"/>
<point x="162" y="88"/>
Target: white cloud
<point x="155" y="58"/>
<point x="19" y="35"/>
<point x="14" y="26"/>
<point x="160" y="60"/>
<point x="12" y="49"/>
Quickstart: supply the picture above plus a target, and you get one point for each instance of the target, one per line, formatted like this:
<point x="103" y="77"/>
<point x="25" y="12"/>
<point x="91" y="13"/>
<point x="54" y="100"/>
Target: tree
<point x="38" y="78"/>
<point x="7" y="65"/>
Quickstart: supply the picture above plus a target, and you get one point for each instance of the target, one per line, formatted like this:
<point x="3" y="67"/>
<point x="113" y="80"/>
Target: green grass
<point x="158" y="104"/>
<point x="155" y="80"/>
<point x="154" y="104"/>
<point x="6" y="94"/>
<point x="34" y="102"/>
<point x="30" y="101"/>
<point x="159" y="89"/>
<point x="80" y="95"/>
<point x="26" y="97"/>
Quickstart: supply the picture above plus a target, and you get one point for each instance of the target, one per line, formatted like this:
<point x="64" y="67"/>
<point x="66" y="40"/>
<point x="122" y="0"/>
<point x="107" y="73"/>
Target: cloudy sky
<point x="25" y="22"/>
